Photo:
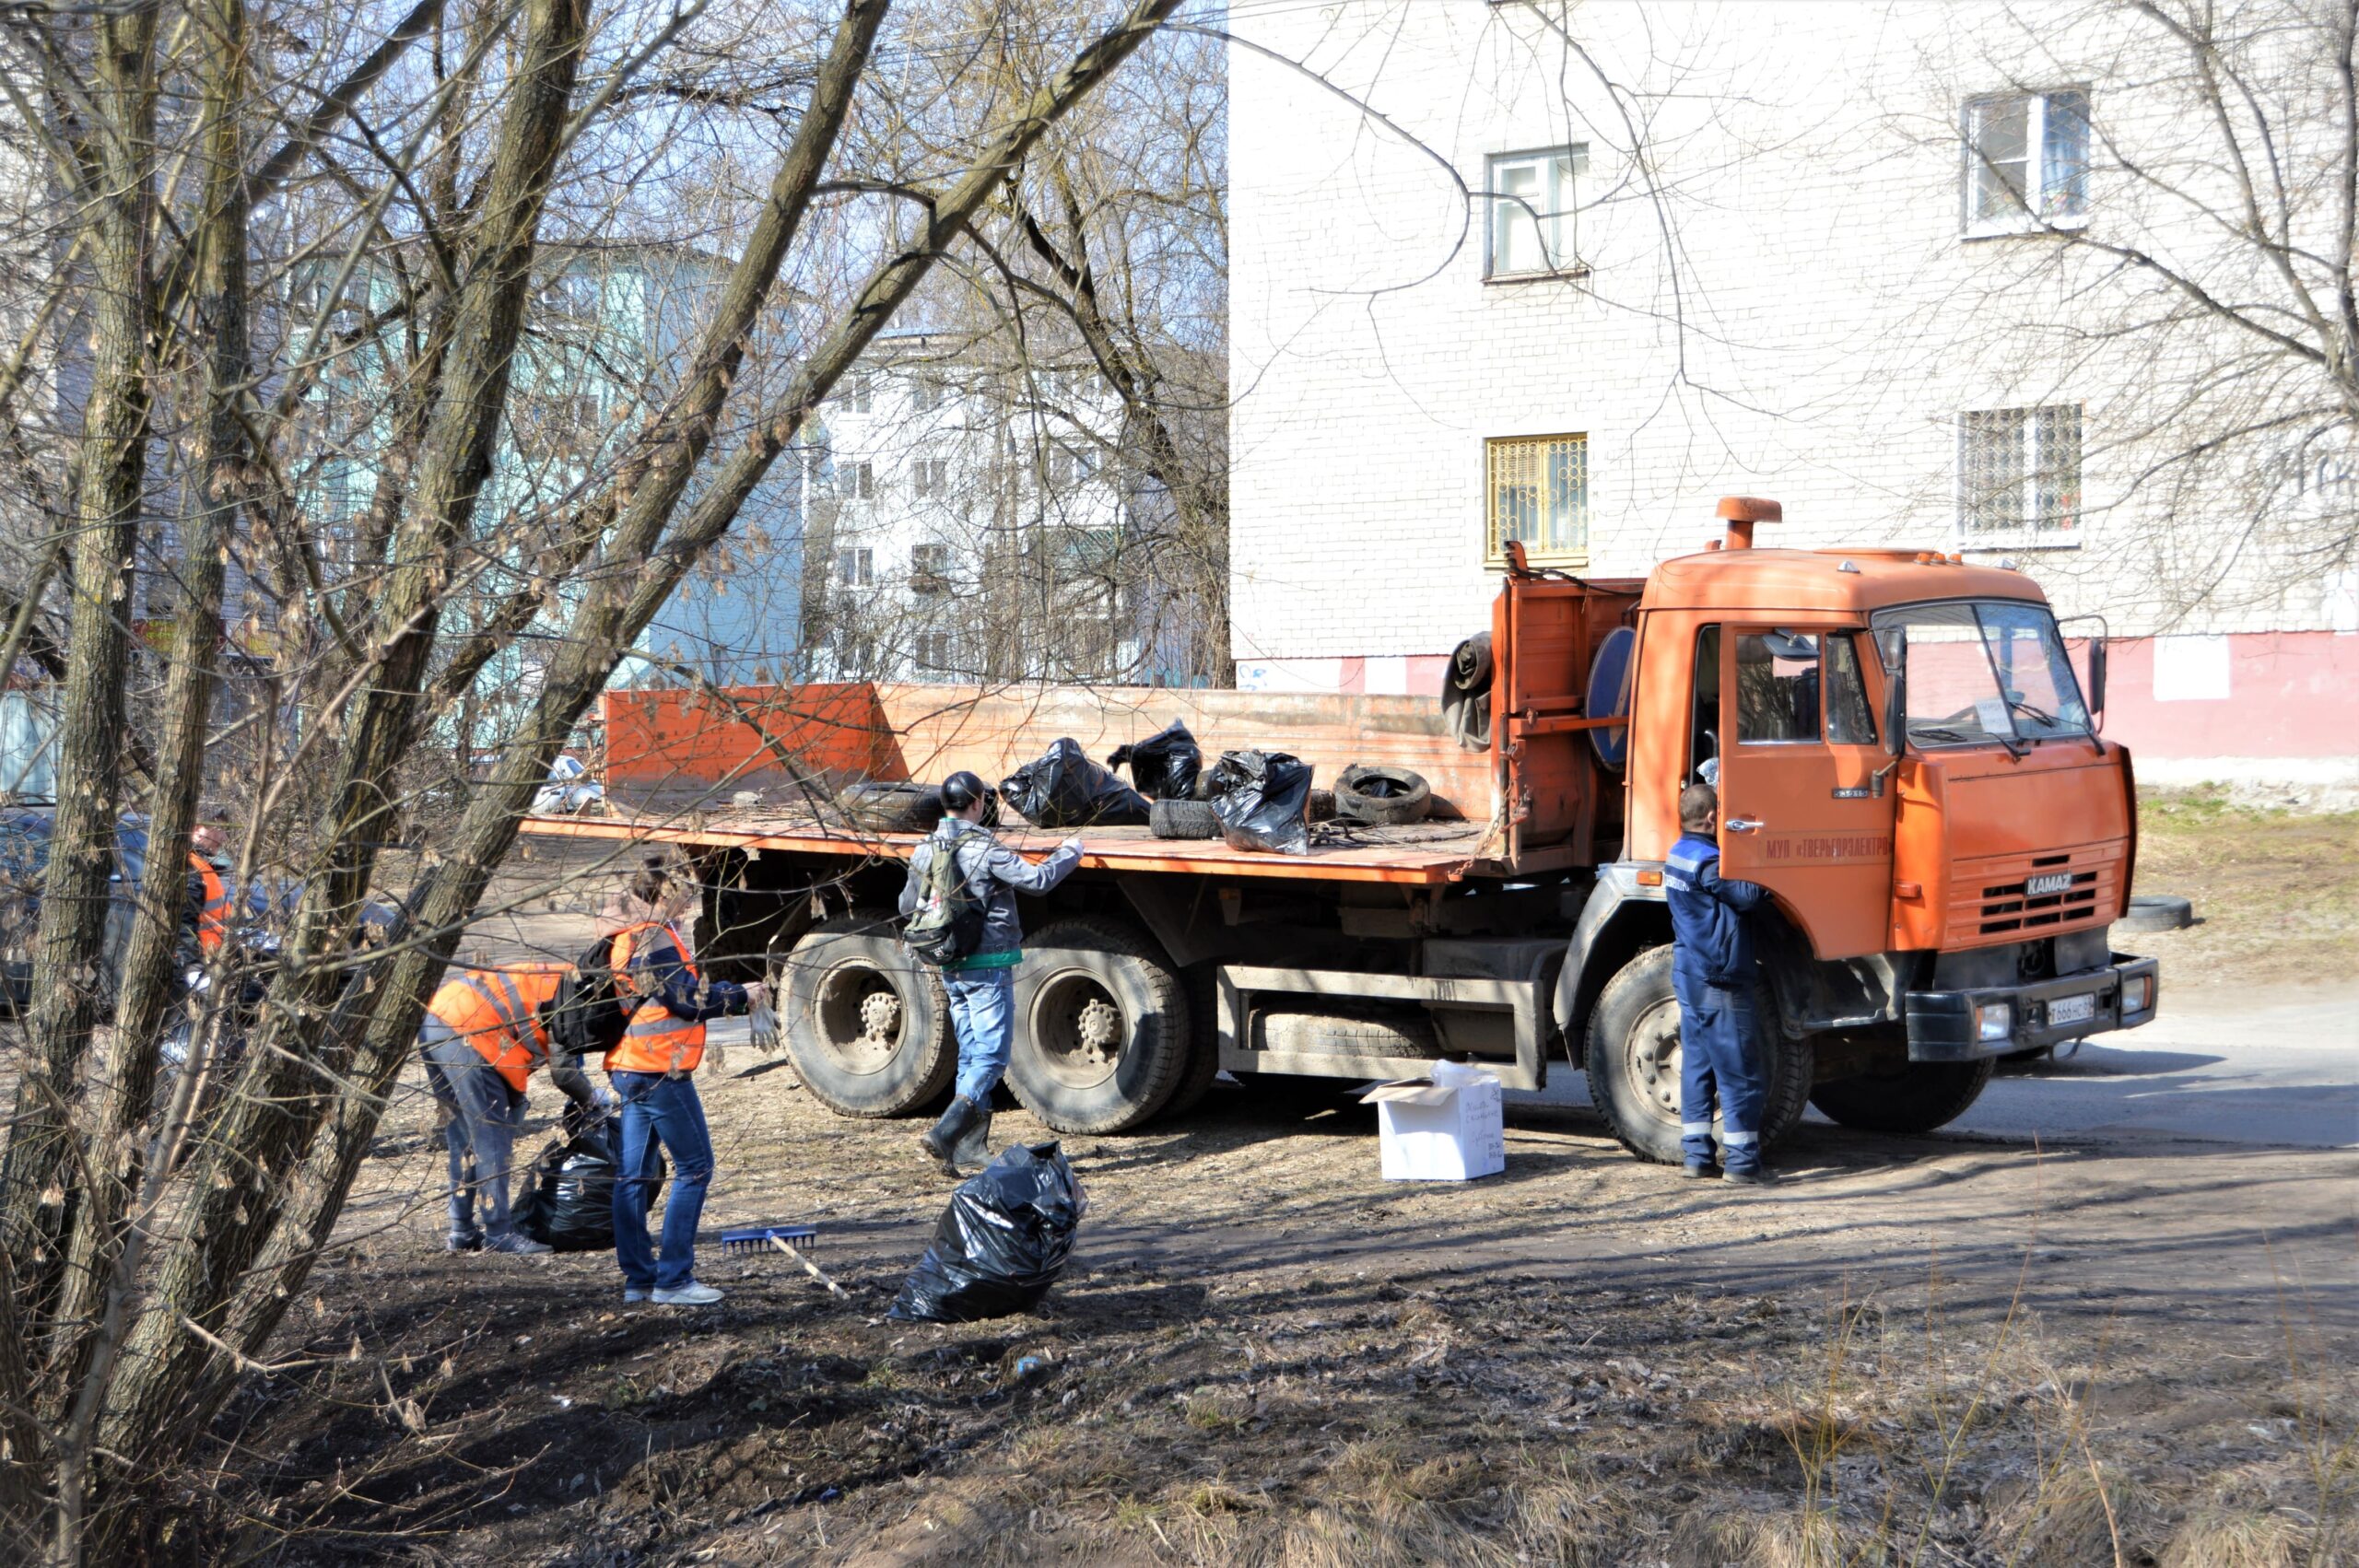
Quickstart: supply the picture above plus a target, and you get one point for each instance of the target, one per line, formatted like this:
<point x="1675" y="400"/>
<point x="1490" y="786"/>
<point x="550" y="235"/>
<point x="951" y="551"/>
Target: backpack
<point x="592" y="1008"/>
<point x="948" y="923"/>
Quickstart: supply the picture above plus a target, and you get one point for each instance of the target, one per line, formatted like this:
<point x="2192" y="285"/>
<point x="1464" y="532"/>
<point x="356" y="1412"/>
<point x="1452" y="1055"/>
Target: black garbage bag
<point x="1263" y="801"/>
<point x="1164" y="765"/>
<point x="1002" y="1241"/>
<point x="569" y="1198"/>
<point x="1065" y="788"/>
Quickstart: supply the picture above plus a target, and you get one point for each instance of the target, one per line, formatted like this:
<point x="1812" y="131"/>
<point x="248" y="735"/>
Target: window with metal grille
<point x="1538" y="493"/>
<point x="2026" y="162"/>
<point x="2019" y="475"/>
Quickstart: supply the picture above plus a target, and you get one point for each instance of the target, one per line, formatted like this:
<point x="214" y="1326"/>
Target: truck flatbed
<point x="1428" y="854"/>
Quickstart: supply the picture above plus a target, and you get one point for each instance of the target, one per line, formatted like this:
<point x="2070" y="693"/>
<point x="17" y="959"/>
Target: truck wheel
<point x="866" y="1024"/>
<point x="1101" y="1027"/>
<point x="1382" y="797"/>
<point x="1634" y="1062"/>
<point x="1182" y="819"/>
<point x="1203" y="1040"/>
<point x="1915" y="1096"/>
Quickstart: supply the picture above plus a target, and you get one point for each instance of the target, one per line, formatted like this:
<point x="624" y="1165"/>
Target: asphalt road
<point x="2213" y="1066"/>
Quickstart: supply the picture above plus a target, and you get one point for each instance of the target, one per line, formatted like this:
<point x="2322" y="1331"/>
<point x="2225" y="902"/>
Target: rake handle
<point x="808" y="1267"/>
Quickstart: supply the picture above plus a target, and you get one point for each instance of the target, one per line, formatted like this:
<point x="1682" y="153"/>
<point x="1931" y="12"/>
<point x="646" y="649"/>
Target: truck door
<point x="1806" y="809"/>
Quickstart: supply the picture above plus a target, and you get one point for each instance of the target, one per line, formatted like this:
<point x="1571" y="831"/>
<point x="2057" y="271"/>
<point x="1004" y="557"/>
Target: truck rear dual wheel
<point x="1102" y="1034"/>
<point x="1914" y="1096"/>
<point x="867" y="1024"/>
<point x="1633" y="1058"/>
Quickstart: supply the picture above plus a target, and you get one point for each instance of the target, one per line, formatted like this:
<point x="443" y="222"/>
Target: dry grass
<point x="2277" y="892"/>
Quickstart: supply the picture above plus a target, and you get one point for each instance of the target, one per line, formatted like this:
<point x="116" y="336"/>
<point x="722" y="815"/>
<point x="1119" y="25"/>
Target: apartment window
<point x="857" y="479"/>
<point x="930" y="569"/>
<point x="2026" y="162"/>
<point x="2019" y="475"/>
<point x="859" y="394"/>
<point x="926" y="393"/>
<point x="1531" y="212"/>
<point x="855" y="567"/>
<point x="1538" y="489"/>
<point x="930" y="476"/>
<point x="937" y="651"/>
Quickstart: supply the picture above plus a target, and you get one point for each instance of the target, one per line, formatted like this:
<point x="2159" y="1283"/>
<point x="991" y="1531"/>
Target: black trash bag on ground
<point x="1065" y="788"/>
<point x="1002" y="1241"/>
<point x="569" y="1198"/>
<point x="1164" y="765"/>
<point x="1263" y="801"/>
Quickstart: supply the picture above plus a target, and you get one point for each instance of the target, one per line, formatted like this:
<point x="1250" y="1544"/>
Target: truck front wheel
<point x="1912" y="1096"/>
<point x="1634" y="1062"/>
<point x="866" y="1024"/>
<point x="1102" y="1037"/>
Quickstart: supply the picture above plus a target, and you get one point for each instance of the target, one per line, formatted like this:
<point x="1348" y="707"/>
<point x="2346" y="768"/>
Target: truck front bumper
<point x="2003" y="1020"/>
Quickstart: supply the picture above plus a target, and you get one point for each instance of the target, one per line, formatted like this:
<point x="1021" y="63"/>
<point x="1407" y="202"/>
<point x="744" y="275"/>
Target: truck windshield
<point x="1982" y="670"/>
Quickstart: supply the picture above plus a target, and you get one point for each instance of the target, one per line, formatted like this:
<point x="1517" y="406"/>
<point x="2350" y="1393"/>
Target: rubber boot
<point x="942" y="1139"/>
<point x="973" y="1151"/>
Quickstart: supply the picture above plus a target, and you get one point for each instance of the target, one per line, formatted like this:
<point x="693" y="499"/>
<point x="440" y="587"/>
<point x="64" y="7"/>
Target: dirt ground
<point x="1935" y="1350"/>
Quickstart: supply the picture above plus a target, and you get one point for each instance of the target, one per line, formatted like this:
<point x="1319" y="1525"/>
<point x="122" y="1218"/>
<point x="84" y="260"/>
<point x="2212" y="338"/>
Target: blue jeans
<point x="982" y="1011"/>
<point x="481" y="1111"/>
<point x="660" y="1110"/>
<point x="1720" y="1059"/>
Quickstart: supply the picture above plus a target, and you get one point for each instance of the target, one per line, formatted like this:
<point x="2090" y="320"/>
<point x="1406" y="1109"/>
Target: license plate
<point x="2047" y="883"/>
<point x="2071" y="1010"/>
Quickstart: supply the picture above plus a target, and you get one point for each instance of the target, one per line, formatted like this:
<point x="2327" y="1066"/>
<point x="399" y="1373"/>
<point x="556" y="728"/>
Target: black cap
<point x="962" y="790"/>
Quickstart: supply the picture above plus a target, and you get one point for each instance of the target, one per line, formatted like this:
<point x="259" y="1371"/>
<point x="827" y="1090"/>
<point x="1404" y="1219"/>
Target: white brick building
<point x="961" y="514"/>
<point x="1571" y="272"/>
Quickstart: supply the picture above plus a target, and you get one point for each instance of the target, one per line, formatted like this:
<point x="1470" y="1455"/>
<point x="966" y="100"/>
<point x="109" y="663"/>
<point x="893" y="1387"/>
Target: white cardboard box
<point x="1446" y="1128"/>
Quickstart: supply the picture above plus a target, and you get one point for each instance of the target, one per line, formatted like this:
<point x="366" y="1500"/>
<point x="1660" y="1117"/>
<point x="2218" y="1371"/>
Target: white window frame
<point x="937" y="651"/>
<point x="2040" y="209"/>
<point x="2032" y="534"/>
<point x="930" y="476"/>
<point x="1556" y="232"/>
<point x="855" y="566"/>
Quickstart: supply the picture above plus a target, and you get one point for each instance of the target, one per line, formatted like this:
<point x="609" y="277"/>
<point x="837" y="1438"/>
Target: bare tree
<point x="308" y="243"/>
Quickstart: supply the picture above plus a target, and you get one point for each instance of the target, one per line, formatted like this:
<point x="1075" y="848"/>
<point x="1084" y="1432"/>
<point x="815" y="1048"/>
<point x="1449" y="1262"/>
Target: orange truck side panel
<point x="690" y="743"/>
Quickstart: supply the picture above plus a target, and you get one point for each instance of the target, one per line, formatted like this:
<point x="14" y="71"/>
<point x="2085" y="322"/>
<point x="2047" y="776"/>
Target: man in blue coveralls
<point x="1713" y="973"/>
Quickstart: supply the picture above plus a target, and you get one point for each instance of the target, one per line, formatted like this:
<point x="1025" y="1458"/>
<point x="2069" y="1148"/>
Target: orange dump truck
<point x="1907" y="758"/>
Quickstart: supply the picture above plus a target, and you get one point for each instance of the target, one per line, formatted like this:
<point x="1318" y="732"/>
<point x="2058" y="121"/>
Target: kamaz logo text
<point x="2046" y="882"/>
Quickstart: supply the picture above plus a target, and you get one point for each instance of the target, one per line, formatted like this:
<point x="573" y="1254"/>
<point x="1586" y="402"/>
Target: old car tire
<point x="866" y="1024"/>
<point x="1182" y="819"/>
<point x="891" y="807"/>
<point x="1102" y="1038"/>
<point x="1382" y="797"/>
<point x="1915" y="1096"/>
<point x="1634" y="1060"/>
<point x="1337" y="1032"/>
<point x="2156" y="912"/>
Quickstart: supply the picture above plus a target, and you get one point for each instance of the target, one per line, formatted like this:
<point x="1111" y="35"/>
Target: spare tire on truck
<point x="1634" y="1062"/>
<point x="1102" y="1036"/>
<point x="865" y="1023"/>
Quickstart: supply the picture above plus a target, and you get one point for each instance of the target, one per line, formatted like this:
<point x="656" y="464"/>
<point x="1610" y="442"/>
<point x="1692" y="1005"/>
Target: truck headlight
<point x="2137" y="993"/>
<point x="1994" y="1020"/>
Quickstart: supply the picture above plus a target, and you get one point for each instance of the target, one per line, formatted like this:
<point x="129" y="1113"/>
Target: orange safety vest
<point x="497" y="1011"/>
<point x="213" y="924"/>
<point x="655" y="1041"/>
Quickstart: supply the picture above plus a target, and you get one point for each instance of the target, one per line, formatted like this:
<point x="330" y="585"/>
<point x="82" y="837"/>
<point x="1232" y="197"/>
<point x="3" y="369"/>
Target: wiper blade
<point x="1941" y="731"/>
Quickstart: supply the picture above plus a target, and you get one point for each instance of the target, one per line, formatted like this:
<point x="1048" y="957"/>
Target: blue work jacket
<point x="1710" y="941"/>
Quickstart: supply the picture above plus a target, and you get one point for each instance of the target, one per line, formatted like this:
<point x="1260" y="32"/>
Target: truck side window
<point x="1850" y="721"/>
<point x="1777" y="687"/>
<point x="1703" y="713"/>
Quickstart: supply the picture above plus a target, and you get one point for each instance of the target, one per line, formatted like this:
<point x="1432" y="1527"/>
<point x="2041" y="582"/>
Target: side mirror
<point x="1895" y="708"/>
<point x="2097" y="674"/>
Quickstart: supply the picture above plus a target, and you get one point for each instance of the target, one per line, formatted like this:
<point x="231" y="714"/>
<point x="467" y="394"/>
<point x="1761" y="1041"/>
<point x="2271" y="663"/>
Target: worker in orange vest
<point x="207" y="896"/>
<point x="650" y="1068"/>
<point x="484" y="1032"/>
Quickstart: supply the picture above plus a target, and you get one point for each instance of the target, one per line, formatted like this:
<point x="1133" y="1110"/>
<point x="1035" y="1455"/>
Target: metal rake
<point x="796" y="1241"/>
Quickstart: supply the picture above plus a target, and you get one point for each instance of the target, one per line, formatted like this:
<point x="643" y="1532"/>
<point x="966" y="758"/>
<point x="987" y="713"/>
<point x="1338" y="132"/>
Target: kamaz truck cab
<point x="1908" y="760"/>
